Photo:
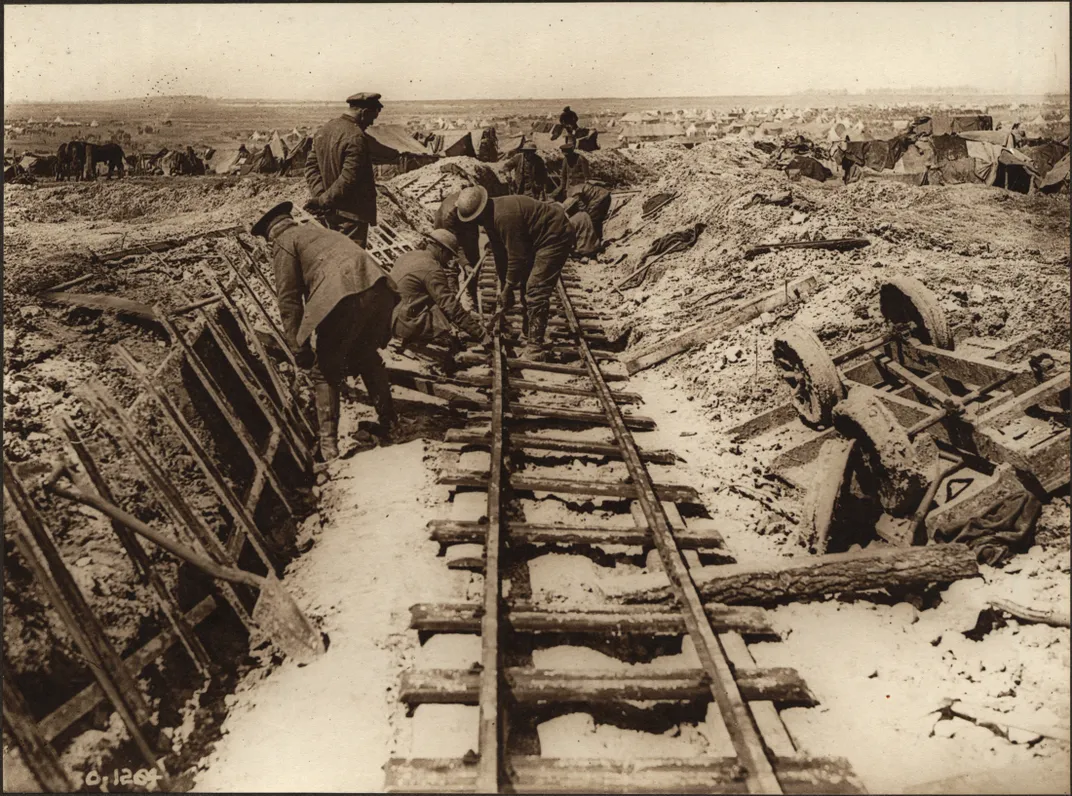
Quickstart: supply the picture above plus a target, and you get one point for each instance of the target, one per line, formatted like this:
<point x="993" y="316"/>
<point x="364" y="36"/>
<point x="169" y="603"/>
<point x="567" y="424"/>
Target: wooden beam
<point x="470" y="532"/>
<point x="38" y="755"/>
<point x="569" y="687"/>
<point x="711" y="329"/>
<point x="672" y="492"/>
<point x="556" y="444"/>
<point x="620" y="620"/>
<point x="809" y="577"/>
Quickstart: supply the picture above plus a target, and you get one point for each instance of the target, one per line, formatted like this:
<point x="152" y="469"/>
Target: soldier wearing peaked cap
<point x="326" y="283"/>
<point x="339" y="170"/>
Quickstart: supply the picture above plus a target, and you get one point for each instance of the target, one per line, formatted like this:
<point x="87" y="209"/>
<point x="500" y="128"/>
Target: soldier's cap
<point x="364" y="100"/>
<point x="528" y="146"/>
<point x="444" y="238"/>
<point x="265" y="221"/>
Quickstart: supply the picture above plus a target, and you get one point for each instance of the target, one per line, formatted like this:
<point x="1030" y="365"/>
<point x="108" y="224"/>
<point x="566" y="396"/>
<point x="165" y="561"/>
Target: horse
<point x="111" y="153"/>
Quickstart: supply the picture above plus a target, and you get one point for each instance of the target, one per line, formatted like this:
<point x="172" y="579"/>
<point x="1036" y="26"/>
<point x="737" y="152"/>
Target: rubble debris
<point x="720" y="324"/>
<point x="679" y="241"/>
<point x="1001" y="724"/>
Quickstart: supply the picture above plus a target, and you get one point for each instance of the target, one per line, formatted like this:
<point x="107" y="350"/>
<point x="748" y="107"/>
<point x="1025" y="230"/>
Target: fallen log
<point x="836" y="244"/>
<point x="800" y="579"/>
<point x="709" y="330"/>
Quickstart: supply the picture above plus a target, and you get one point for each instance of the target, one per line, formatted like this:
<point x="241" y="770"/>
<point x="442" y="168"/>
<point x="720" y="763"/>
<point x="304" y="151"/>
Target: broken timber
<point x="836" y="244"/>
<point x="815" y="576"/>
<point x="719" y="325"/>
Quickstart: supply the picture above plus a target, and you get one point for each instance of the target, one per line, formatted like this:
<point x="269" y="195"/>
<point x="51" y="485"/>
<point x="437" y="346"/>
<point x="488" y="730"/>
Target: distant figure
<point x="527" y="173"/>
<point x="569" y="121"/>
<point x="339" y="170"/>
<point x="429" y="309"/>
<point x="530" y="241"/>
<point x="575" y="170"/>
<point x="1019" y="136"/>
<point x="61" y="163"/>
<point x="327" y="283"/>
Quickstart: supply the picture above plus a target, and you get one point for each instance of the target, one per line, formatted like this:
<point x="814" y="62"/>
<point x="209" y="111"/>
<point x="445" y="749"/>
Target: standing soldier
<point x="574" y="169"/>
<point x="339" y="170"/>
<point x="528" y="172"/>
<point x="530" y="241"/>
<point x="569" y="121"/>
<point x="326" y="283"/>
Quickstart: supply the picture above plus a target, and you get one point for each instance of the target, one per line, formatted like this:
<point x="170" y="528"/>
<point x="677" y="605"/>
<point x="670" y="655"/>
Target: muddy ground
<point x="997" y="261"/>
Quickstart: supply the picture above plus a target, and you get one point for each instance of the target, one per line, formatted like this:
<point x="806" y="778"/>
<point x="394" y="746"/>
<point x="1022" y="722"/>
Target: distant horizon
<point x="921" y="92"/>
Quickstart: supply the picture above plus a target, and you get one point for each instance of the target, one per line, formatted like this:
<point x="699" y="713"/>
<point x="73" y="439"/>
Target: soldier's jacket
<point x="594" y="200"/>
<point x="424" y="287"/>
<point x="520" y="227"/>
<point x="317" y="267"/>
<point x="529" y="175"/>
<point x="573" y="173"/>
<point x="339" y="169"/>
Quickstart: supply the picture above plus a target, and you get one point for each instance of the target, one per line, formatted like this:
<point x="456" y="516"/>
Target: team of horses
<point x="77" y="160"/>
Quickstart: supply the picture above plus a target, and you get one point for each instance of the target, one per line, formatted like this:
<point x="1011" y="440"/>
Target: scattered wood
<point x="1025" y="614"/>
<point x="834" y="244"/>
<point x="711" y="329"/>
<point x="100" y="301"/>
<point x="810" y="577"/>
<point x="164" y="245"/>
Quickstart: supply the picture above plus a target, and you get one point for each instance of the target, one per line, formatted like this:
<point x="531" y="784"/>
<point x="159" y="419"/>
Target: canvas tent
<point x="634" y="133"/>
<point x="392" y="145"/>
<point x="452" y="143"/>
<point x="1056" y="180"/>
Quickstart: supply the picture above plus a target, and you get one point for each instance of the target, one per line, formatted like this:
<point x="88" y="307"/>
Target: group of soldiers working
<point x="327" y="282"/>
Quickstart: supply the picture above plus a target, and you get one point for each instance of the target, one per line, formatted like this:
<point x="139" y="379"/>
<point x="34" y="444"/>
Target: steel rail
<point x="746" y="739"/>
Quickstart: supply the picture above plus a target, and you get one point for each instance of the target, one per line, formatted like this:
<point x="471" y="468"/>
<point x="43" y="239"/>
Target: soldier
<point x="569" y="121"/>
<point x="574" y="169"/>
<point x="594" y="201"/>
<point x="468" y="237"/>
<point x="530" y="241"/>
<point x="348" y="301"/>
<point x="429" y="308"/>
<point x="528" y="172"/>
<point x="339" y="170"/>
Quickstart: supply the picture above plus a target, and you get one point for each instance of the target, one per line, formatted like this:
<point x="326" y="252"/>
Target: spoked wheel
<point x="825" y="499"/>
<point x="810" y="373"/>
<point x="905" y="301"/>
<point x="891" y="467"/>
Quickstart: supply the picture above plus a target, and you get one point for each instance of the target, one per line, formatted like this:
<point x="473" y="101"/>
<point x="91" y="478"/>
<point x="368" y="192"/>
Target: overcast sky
<point x="516" y="51"/>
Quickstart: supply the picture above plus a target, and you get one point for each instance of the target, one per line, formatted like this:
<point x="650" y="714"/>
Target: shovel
<point x="275" y="612"/>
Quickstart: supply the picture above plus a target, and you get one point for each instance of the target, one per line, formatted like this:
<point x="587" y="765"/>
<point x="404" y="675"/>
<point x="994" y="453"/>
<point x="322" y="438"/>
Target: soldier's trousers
<point x="536" y="292"/>
<point x="347" y="343"/>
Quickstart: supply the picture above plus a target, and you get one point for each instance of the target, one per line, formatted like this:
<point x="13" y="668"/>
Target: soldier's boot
<point x="326" y="397"/>
<point x="379" y="389"/>
<point x="535" y="348"/>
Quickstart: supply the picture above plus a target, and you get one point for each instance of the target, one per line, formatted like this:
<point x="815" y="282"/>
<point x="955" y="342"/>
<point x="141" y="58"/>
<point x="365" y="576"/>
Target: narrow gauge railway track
<point x="524" y="401"/>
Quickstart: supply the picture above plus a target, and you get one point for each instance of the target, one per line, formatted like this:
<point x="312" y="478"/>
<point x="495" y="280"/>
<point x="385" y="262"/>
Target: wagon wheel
<point x="904" y="300"/>
<point x="823" y="501"/>
<point x="810" y="373"/>
<point x="891" y="468"/>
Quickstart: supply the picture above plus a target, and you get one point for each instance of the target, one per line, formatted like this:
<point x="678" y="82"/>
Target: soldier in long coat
<point x="528" y="172"/>
<point x="339" y="170"/>
<point x="326" y="283"/>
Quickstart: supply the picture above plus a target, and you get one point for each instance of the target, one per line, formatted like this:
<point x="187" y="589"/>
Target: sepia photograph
<point x="587" y="397"/>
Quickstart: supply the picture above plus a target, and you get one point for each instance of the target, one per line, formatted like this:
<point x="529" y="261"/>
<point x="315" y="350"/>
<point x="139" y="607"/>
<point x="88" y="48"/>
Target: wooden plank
<point x="536" y="774"/>
<point x="719" y="678"/>
<point x="39" y="552"/>
<point x="620" y="620"/>
<point x="520" y="411"/>
<point x="965" y="368"/>
<point x="525" y="385"/>
<point x="89" y="697"/>
<point x="143" y="566"/>
<point x="672" y="492"/>
<point x="569" y="687"/>
<point x="559" y="445"/>
<point x="765" y="714"/>
<point x="471" y="358"/>
<point x="488" y="681"/>
<point x="471" y="532"/>
<point x="100" y="302"/>
<point x="38" y="755"/>
<point x="243" y="520"/>
<point x="834" y="244"/>
<point x="711" y="329"/>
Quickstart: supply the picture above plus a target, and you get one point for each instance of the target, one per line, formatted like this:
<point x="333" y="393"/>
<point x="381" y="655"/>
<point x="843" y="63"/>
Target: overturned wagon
<point x="920" y="440"/>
